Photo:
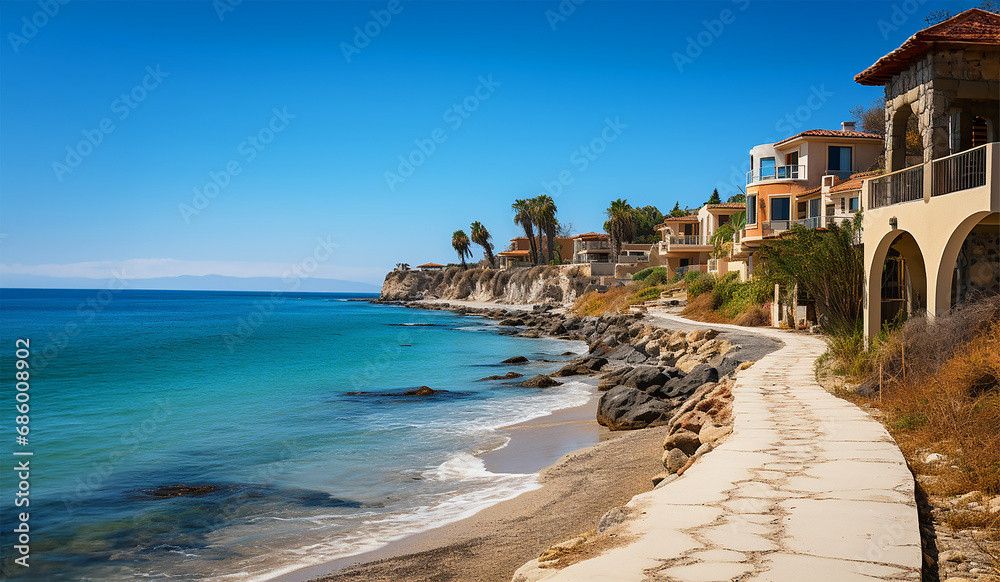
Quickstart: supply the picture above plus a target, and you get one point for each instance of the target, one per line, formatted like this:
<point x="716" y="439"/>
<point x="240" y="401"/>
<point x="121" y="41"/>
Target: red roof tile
<point x="592" y="235"/>
<point x="429" y="265"/>
<point x="974" y="26"/>
<point x="832" y="133"/>
<point x="728" y="205"/>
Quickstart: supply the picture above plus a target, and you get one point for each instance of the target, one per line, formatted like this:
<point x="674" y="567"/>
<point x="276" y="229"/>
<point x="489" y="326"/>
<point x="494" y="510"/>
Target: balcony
<point x="689" y="239"/>
<point x="839" y="219"/>
<point x="959" y="171"/>
<point x="898" y="187"/>
<point x="776" y="173"/>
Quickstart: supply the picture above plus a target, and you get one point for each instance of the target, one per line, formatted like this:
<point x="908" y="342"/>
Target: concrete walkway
<point x="807" y="488"/>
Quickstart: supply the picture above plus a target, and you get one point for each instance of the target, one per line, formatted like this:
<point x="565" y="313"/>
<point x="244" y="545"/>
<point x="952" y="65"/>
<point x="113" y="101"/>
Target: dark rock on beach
<point x="628" y="408"/>
<point x="170" y="491"/>
<point x="423" y="391"/>
<point x="515" y="360"/>
<point x="539" y="381"/>
<point x="507" y="376"/>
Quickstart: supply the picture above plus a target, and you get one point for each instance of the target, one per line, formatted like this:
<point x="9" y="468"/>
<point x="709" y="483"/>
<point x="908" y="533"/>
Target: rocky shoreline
<point x="650" y="376"/>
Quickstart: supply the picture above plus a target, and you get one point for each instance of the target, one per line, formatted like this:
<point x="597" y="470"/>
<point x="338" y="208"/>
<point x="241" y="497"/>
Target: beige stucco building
<point x="686" y="243"/>
<point x="932" y="230"/>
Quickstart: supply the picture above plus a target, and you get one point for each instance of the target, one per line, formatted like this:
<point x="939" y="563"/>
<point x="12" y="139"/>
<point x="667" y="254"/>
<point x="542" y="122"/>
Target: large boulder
<point x="673" y="460"/>
<point x="684" y="440"/>
<point x="688" y="383"/>
<point x="515" y="360"/>
<point x="539" y="381"/>
<point x="643" y="377"/>
<point x="628" y="408"/>
<point x="507" y="376"/>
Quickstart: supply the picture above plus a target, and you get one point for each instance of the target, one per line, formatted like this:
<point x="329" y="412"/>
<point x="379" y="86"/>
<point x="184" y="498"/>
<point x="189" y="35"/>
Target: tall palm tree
<point x="482" y="237"/>
<point x="460" y="242"/>
<point x="621" y="226"/>
<point x="545" y="218"/>
<point x="523" y="216"/>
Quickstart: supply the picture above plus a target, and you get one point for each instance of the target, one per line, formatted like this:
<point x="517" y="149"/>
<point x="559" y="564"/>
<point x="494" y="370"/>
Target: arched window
<point x="979" y="131"/>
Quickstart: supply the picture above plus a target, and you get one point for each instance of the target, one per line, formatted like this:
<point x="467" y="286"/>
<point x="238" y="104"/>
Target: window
<point x="839" y="161"/>
<point x="979" y="131"/>
<point x="780" y="208"/>
<point x="766" y="168"/>
<point x="814" y="208"/>
<point x="791" y="169"/>
<point x="724" y="219"/>
<point x="855" y="204"/>
<point x="751" y="209"/>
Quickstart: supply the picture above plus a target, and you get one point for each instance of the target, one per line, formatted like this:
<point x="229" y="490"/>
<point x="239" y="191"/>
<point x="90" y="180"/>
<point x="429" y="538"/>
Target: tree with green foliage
<point x="524" y="217"/>
<point x="678" y="211"/>
<point x="544" y="213"/>
<point x="722" y="239"/>
<point x="646" y="219"/>
<point x="482" y="237"/>
<point x="460" y="242"/>
<point x="714" y="198"/>
<point x="827" y="264"/>
<point x="620" y="225"/>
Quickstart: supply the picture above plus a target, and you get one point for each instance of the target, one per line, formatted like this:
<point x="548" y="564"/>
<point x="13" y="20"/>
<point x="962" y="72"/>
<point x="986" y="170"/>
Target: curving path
<point x="807" y="488"/>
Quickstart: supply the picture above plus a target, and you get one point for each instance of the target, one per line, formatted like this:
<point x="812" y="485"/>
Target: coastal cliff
<point x="526" y="285"/>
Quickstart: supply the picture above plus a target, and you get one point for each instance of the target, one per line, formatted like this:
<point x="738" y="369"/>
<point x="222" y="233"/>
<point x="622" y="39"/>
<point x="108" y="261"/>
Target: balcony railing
<point x="812" y="222"/>
<point x="901" y="186"/>
<point x="776" y="173"/>
<point x="680" y="272"/>
<point x="959" y="171"/>
<point x="776" y="226"/>
<point x="839" y="219"/>
<point x="695" y="239"/>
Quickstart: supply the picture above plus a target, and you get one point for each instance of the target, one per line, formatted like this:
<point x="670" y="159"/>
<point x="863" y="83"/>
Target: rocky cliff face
<point x="558" y="284"/>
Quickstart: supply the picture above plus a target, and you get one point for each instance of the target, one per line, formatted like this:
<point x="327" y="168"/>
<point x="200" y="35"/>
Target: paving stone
<point x="707" y="571"/>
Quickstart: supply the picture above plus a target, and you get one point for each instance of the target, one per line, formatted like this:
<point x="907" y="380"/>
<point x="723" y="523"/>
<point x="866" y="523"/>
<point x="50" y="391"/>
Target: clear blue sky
<point x="551" y="85"/>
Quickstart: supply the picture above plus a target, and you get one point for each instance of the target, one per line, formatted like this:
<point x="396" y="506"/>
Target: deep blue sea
<point x="248" y="393"/>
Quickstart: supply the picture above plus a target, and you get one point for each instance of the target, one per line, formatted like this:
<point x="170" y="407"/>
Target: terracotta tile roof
<point x="685" y="218"/>
<point x="429" y="265"/>
<point x="636" y="247"/>
<point x="832" y="133"/>
<point x="593" y="235"/>
<point x="973" y="26"/>
<point x="855" y="181"/>
<point x="809" y="192"/>
<point x="728" y="205"/>
<point x="514" y="254"/>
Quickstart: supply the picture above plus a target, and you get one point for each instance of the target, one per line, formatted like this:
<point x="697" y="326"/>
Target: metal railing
<point x="812" y="222"/>
<point x="839" y="219"/>
<point x="900" y="186"/>
<point x="776" y="173"/>
<point x="680" y="272"/>
<point x="776" y="226"/>
<point x="695" y="239"/>
<point x="959" y="171"/>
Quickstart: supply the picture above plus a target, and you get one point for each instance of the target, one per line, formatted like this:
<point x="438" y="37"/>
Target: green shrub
<point x="656" y="278"/>
<point x="641" y="275"/>
<point x="646" y="294"/>
<point x="699" y="283"/>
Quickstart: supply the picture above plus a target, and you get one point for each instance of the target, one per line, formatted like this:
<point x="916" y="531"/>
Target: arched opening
<point x="906" y="142"/>
<point x="903" y="280"/>
<point x="970" y="265"/>
<point x="980" y="131"/>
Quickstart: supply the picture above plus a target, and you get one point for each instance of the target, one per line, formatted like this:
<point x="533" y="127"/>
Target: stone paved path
<point x="808" y="488"/>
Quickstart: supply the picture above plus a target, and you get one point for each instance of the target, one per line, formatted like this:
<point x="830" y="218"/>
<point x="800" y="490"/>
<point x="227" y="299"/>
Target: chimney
<point x="847" y="126"/>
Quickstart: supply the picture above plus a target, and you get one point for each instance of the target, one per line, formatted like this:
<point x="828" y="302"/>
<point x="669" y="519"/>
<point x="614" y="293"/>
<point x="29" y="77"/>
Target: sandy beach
<point x="577" y="489"/>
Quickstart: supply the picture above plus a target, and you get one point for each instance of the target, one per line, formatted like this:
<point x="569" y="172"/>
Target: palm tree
<point x="482" y="237"/>
<point x="722" y="240"/>
<point x="523" y="216"/>
<point x="460" y="242"/>
<point x="620" y="225"/>
<point x="545" y="217"/>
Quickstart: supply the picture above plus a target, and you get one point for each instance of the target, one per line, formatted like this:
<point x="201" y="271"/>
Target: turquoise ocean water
<point x="248" y="393"/>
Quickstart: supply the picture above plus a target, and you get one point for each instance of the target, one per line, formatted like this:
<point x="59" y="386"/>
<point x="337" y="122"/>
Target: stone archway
<point x="896" y="280"/>
<point x="970" y="262"/>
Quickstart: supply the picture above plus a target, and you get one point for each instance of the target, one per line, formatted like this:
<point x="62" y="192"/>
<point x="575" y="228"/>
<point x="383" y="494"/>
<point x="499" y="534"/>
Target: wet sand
<point x="488" y="547"/>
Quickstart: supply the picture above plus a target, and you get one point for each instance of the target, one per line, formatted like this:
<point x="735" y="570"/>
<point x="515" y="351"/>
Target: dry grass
<point x="953" y="410"/>
<point x="615" y="300"/>
<point x="700" y="309"/>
